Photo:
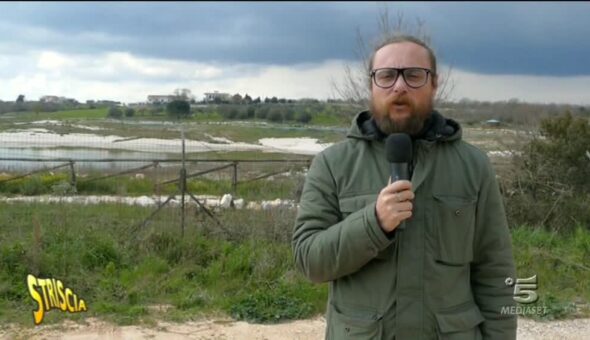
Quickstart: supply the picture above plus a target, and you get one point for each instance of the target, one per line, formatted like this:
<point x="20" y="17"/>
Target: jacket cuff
<point x="376" y="233"/>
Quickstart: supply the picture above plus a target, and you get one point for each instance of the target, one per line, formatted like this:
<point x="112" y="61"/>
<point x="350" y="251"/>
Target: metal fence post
<point x="182" y="181"/>
<point x="156" y="178"/>
<point x="73" y="178"/>
<point x="234" y="180"/>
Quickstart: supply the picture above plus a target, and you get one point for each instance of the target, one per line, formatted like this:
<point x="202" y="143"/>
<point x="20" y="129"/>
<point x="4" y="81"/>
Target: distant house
<point x="136" y="105"/>
<point x="57" y="100"/>
<point x="211" y="97"/>
<point x="159" y="99"/>
<point x="49" y="99"/>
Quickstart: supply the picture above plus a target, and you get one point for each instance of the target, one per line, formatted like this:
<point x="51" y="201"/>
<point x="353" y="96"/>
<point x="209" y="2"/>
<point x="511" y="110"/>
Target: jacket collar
<point x="436" y="129"/>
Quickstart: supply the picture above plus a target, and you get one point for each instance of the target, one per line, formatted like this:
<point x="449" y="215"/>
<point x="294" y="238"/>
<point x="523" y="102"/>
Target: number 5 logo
<point x="525" y="290"/>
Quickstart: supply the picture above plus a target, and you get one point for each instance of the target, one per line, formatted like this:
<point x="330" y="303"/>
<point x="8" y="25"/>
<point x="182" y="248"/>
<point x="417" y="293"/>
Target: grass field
<point x="560" y="262"/>
<point x="47" y="184"/>
<point x="199" y="127"/>
<point x="89" y="114"/>
<point x="243" y="268"/>
<point x="203" y="126"/>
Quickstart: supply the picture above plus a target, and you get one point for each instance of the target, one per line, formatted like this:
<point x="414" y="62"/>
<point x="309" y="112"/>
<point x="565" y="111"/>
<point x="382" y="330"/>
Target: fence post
<point x="73" y="178"/>
<point x="156" y="178"/>
<point x="182" y="192"/>
<point x="234" y="180"/>
<point x="182" y="181"/>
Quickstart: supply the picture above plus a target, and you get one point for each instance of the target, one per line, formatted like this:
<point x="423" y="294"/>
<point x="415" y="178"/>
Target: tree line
<point x="274" y="112"/>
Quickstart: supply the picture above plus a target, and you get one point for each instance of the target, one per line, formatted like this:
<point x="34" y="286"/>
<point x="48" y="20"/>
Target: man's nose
<point x="400" y="84"/>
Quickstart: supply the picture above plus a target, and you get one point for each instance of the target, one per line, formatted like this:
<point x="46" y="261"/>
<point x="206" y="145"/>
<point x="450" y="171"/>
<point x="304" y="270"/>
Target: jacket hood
<point x="436" y="128"/>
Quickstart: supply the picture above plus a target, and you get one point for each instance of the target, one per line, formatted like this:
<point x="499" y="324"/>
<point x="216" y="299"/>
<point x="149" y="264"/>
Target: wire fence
<point x="154" y="166"/>
<point x="176" y="172"/>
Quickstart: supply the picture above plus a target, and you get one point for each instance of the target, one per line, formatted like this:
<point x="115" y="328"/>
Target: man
<point x="443" y="275"/>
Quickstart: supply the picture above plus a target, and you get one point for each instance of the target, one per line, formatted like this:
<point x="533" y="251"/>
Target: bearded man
<point x="443" y="276"/>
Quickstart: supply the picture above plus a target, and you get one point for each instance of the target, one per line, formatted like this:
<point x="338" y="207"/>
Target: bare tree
<point x="356" y="87"/>
<point x="184" y="94"/>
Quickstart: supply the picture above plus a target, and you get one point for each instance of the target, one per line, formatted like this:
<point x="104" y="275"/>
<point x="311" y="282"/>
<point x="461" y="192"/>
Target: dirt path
<point x="222" y="329"/>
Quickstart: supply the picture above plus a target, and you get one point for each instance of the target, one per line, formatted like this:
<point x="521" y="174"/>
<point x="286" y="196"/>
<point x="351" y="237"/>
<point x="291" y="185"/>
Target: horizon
<point x="322" y="100"/>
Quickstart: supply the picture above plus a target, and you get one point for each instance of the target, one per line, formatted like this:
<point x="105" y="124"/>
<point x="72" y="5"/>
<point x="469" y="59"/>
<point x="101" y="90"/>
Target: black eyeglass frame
<point x="401" y="71"/>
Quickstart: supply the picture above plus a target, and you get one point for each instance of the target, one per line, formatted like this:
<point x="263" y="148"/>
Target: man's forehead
<point x="404" y="52"/>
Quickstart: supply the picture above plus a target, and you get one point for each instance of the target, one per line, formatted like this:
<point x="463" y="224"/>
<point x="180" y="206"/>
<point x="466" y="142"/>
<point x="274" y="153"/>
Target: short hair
<point x="400" y="38"/>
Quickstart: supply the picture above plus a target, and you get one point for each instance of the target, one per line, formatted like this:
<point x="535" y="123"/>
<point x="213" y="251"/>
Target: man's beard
<point x="412" y="125"/>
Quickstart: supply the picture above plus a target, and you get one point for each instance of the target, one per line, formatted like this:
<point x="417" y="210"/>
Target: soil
<point x="312" y="329"/>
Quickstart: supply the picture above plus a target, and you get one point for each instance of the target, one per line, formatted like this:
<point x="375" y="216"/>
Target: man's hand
<point x="393" y="204"/>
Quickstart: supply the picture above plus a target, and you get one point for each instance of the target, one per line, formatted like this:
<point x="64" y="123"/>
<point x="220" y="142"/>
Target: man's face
<point x="401" y="108"/>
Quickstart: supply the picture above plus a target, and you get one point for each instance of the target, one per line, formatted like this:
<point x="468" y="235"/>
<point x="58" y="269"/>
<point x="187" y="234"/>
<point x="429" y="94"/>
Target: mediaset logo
<point x="525" y="293"/>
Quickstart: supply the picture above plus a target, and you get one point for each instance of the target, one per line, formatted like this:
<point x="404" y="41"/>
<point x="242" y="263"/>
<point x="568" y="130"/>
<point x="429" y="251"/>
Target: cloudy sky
<point x="535" y="52"/>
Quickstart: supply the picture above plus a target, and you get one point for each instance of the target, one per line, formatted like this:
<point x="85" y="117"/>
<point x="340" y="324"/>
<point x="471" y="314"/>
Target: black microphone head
<point x="398" y="147"/>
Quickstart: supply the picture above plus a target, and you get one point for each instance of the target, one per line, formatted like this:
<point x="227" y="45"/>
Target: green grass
<point x="257" y="190"/>
<point x="89" y="114"/>
<point x="561" y="263"/>
<point x="206" y="117"/>
<point x="233" y="131"/>
<point x="244" y="269"/>
<point x="127" y="185"/>
<point x="247" y="155"/>
<point x="251" y="134"/>
<point x="324" y="119"/>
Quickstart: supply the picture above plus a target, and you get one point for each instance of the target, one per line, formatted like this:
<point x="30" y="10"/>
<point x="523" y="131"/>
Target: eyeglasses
<point x="414" y="77"/>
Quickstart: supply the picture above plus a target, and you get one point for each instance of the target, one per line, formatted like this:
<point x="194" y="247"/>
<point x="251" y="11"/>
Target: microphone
<point x="398" y="148"/>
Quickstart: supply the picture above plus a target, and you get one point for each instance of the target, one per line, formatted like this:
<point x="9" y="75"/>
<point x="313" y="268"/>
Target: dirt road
<point x="222" y="329"/>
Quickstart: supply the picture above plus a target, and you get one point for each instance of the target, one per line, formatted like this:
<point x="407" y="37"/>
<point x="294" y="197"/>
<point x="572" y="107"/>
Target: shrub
<point x="115" y="112"/>
<point x="288" y="114"/>
<point x="551" y="187"/>
<point x="303" y="117"/>
<point x="271" y="304"/>
<point x="262" y="112"/>
<point x="251" y="112"/>
<point x="33" y="186"/>
<point x="275" y="115"/>
<point x="100" y="252"/>
<point x="178" y="108"/>
<point x="243" y="113"/>
<point x="229" y="111"/>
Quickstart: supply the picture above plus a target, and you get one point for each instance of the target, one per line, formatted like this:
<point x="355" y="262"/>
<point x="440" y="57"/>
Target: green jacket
<point x="443" y="276"/>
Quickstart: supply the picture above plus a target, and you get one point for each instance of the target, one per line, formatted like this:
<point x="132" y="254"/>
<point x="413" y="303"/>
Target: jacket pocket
<point x="361" y="325"/>
<point x="455" y="226"/>
<point x="349" y="205"/>
<point x="460" y="324"/>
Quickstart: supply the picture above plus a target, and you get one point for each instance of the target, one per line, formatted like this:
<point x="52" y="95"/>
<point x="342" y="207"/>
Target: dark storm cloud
<point x="515" y="38"/>
<point x="493" y="38"/>
<point x="237" y="32"/>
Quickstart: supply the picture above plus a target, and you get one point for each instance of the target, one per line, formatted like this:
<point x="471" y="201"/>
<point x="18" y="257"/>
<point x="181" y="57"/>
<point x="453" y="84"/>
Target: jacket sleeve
<point x="493" y="262"/>
<point x="325" y="246"/>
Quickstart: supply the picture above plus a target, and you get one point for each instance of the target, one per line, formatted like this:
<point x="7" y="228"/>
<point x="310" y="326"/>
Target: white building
<point x="159" y="99"/>
<point x="212" y="96"/>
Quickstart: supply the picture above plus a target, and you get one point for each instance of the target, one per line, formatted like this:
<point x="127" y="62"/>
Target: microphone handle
<point x="399" y="171"/>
